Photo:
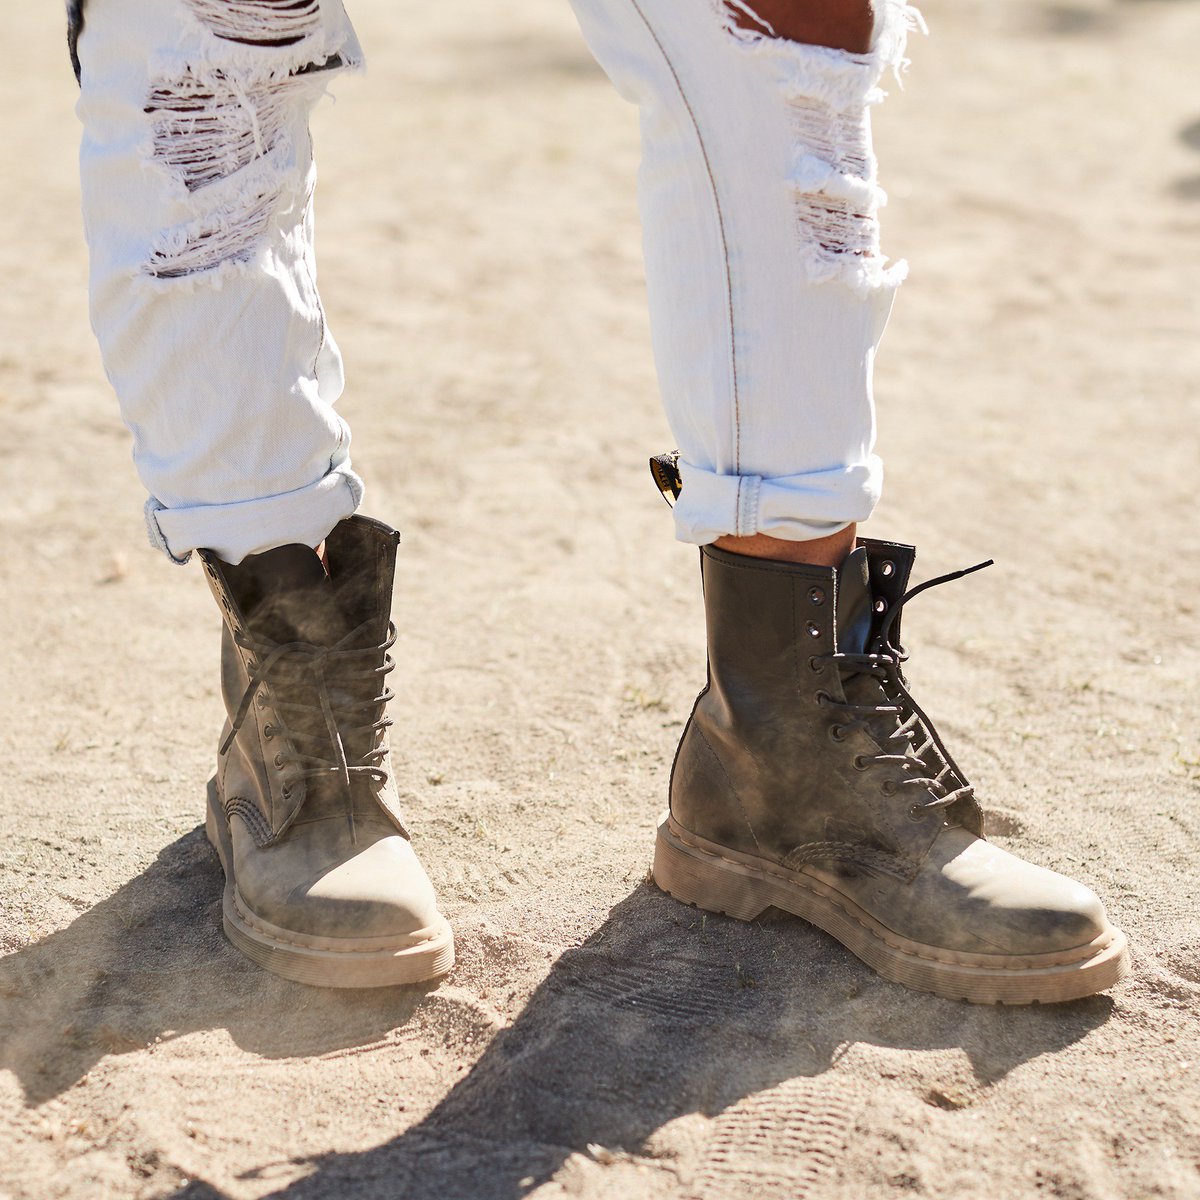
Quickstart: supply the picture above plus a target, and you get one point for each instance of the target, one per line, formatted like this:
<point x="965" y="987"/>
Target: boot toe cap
<point x="383" y="890"/>
<point x="999" y="903"/>
<point x="320" y="883"/>
<point x="972" y="897"/>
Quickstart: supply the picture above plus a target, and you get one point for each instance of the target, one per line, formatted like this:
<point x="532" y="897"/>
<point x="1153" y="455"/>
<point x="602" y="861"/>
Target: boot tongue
<point x="855" y="617"/>
<point x="854" y="620"/>
<point x="288" y="597"/>
<point x="853" y="604"/>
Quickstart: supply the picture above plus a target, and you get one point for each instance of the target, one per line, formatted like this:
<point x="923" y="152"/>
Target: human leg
<point x="807" y="777"/>
<point x="197" y="185"/>
<point x="197" y="176"/>
<point x="767" y="285"/>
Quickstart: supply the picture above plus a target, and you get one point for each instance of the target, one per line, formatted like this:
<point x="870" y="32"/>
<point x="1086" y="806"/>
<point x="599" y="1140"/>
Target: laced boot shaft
<point x="306" y="658"/>
<point x="809" y="779"/>
<point x="878" y="701"/>
<point x="332" y="727"/>
<point x="804" y="700"/>
<point x="322" y="883"/>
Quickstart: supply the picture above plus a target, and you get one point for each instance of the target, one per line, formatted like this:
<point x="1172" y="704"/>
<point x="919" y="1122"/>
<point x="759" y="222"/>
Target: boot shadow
<point x="664" y="1012"/>
<point x="151" y="962"/>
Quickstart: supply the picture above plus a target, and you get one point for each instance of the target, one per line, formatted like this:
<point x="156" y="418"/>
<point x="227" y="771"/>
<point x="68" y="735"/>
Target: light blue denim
<point x="759" y="198"/>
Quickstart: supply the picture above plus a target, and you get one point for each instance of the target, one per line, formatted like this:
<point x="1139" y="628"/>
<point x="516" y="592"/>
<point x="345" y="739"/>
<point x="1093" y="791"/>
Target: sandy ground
<point x="1038" y="404"/>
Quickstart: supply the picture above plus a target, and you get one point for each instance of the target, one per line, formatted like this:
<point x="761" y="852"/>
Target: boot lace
<point x="912" y="746"/>
<point x="317" y="733"/>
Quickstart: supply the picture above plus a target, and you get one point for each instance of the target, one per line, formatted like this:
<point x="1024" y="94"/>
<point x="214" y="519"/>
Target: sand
<point x="1038" y="404"/>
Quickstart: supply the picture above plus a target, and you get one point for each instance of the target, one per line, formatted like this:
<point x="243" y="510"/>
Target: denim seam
<point x="748" y="501"/>
<point x="737" y="415"/>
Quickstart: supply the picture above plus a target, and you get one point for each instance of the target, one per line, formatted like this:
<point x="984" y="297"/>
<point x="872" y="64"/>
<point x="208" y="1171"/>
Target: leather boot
<point x="808" y="779"/>
<point x="322" y="883"/>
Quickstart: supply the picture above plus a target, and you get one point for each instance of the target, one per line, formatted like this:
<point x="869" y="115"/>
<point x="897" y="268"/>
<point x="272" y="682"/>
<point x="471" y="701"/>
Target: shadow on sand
<point x="661" y="1013"/>
<point x="151" y="961"/>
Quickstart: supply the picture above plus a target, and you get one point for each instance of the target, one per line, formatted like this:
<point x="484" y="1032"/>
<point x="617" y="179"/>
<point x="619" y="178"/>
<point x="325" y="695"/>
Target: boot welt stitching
<point x="890" y="864"/>
<point x="401" y="942"/>
<point x="949" y="957"/>
<point x="260" y="830"/>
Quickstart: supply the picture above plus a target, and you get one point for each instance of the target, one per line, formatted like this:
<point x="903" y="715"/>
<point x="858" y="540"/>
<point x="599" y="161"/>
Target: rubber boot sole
<point x="323" y="962"/>
<point x="705" y="875"/>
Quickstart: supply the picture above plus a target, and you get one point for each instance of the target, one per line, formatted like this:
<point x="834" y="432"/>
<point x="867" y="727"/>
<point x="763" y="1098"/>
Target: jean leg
<point x="768" y="289"/>
<point x="198" y="175"/>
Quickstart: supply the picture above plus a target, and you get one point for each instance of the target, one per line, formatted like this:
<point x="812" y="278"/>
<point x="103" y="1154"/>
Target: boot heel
<point x="708" y="882"/>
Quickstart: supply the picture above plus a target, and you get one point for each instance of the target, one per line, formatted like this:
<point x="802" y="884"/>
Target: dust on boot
<point x="322" y="883"/>
<point x="809" y="779"/>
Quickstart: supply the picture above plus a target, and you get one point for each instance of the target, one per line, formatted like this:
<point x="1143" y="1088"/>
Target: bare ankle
<point x="825" y="552"/>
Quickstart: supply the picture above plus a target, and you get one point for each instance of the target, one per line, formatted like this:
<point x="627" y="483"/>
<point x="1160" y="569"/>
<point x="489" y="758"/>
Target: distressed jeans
<point x="759" y="198"/>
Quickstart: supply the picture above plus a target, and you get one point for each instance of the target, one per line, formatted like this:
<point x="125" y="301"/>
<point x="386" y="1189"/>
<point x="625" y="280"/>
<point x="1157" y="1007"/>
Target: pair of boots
<point x="807" y="779"/>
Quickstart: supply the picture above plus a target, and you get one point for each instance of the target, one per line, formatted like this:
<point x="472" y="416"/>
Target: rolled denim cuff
<point x="232" y="531"/>
<point x="796" y="508"/>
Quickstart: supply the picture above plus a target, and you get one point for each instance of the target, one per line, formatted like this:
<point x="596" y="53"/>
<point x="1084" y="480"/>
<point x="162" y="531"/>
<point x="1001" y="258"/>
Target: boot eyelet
<point x="287" y="792"/>
<point x="837" y="733"/>
<point x="880" y="605"/>
<point x="888" y="787"/>
<point x="815" y="665"/>
<point x="822" y="698"/>
<point x="816" y="595"/>
<point x="262" y="699"/>
<point x="861" y="763"/>
<point x="916" y="813"/>
<point x="814" y="630"/>
<point x="279" y="762"/>
<point x="887" y="567"/>
<point x="268" y="732"/>
<point x="251" y="665"/>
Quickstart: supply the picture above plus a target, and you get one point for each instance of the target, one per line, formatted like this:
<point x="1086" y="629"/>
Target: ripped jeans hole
<point x="740" y="15"/>
<point x="834" y="177"/>
<point x="260" y="22"/>
<point x="836" y="228"/>
<point x="204" y="131"/>
<point x="841" y="139"/>
<point x="229" y="235"/>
